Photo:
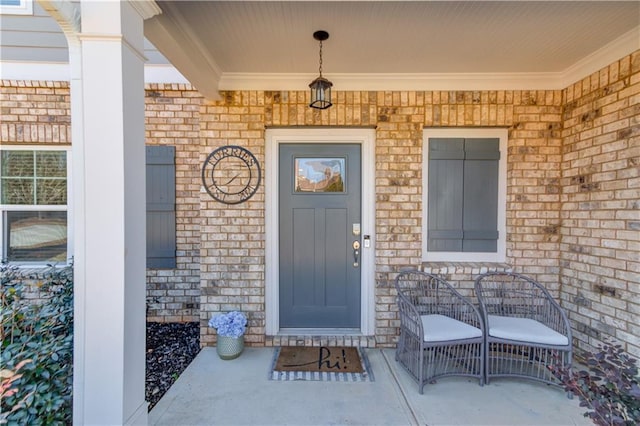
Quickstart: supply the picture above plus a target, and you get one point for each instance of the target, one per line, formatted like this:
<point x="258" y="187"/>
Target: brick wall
<point x="573" y="216"/>
<point x="172" y="114"/>
<point x="600" y="250"/>
<point x="233" y="236"/>
<point x="35" y="112"/>
<point x="38" y="112"/>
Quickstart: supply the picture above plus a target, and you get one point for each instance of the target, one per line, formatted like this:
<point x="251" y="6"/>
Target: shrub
<point x="609" y="389"/>
<point x="37" y="346"/>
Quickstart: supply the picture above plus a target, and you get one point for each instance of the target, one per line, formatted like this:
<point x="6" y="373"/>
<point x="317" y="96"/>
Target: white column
<point x="107" y="97"/>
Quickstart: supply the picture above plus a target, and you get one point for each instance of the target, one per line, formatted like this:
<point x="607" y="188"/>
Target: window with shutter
<point x="465" y="195"/>
<point x="161" y="207"/>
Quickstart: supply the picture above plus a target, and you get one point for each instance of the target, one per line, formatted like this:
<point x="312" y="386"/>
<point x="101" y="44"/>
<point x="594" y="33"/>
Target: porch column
<point x="107" y="97"/>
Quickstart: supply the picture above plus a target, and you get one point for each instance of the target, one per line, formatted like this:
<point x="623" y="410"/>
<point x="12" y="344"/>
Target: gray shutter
<point x="445" y="199"/>
<point x="480" y="217"/>
<point x="161" y="207"/>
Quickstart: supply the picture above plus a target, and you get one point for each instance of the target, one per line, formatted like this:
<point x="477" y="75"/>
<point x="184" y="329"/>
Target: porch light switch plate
<point x="231" y="174"/>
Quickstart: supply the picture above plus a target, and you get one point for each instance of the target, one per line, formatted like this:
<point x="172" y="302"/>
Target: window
<point x="16" y="7"/>
<point x="161" y="207"/>
<point x="34" y="216"/>
<point x="465" y="195"/>
<point x="33" y="205"/>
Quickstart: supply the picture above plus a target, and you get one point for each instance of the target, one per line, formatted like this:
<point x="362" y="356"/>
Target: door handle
<point x="356" y="253"/>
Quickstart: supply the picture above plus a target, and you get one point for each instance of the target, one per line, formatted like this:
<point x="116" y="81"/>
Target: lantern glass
<point x="320" y="93"/>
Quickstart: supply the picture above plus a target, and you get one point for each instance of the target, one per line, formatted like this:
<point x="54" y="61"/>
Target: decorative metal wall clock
<point x="231" y="174"/>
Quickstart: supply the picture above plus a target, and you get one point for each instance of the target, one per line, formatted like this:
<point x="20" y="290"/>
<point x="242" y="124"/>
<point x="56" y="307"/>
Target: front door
<point x="319" y="234"/>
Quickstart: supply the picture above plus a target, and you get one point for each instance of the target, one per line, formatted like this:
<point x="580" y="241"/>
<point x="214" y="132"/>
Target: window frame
<point x="41" y="207"/>
<point x="502" y="135"/>
<point x="24" y="8"/>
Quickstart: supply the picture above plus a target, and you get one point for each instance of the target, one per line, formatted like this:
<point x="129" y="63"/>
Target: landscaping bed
<point x="170" y="349"/>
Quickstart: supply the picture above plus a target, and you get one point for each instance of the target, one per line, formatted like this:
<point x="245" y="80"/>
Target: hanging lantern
<point x="320" y="87"/>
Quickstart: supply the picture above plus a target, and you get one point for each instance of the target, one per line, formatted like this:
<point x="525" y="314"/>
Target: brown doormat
<point x="320" y="359"/>
<point x="331" y="364"/>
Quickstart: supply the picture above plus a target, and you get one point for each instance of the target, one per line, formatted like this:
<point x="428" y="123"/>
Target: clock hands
<point x="232" y="179"/>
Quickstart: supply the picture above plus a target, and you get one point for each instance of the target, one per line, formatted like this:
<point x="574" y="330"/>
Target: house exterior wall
<point x="232" y="256"/>
<point x="600" y="249"/>
<point x="172" y="114"/>
<point x="35" y="112"/>
<point x="572" y="192"/>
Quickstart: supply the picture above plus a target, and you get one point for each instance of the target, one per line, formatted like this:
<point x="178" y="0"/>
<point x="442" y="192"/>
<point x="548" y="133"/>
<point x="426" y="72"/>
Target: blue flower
<point x="231" y="324"/>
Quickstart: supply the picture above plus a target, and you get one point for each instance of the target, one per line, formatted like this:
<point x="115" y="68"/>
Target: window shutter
<point x="161" y="207"/>
<point x="480" y="217"/>
<point x="445" y="198"/>
<point x="463" y="195"/>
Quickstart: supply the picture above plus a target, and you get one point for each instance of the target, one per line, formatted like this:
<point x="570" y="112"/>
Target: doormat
<point x="320" y="363"/>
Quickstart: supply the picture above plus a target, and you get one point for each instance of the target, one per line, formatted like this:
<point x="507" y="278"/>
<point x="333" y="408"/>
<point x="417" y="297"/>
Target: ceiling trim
<point x="365" y="82"/>
<point x="609" y="53"/>
<point x="146" y="8"/>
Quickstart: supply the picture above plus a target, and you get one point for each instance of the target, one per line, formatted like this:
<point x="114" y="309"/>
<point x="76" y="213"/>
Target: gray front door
<point x="319" y="220"/>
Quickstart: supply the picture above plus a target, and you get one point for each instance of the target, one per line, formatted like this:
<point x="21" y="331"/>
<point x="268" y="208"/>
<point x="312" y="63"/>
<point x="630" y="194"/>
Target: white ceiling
<point x="251" y="41"/>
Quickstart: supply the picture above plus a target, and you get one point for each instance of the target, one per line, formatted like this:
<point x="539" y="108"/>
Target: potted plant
<point x="230" y="328"/>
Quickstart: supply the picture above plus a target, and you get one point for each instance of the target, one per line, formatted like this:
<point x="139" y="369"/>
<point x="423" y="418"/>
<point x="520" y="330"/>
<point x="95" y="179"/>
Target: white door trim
<point x="274" y="137"/>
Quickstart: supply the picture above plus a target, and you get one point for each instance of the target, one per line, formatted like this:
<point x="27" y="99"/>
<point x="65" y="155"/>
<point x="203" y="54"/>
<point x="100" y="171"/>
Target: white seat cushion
<point x="440" y="328"/>
<point x="524" y="330"/>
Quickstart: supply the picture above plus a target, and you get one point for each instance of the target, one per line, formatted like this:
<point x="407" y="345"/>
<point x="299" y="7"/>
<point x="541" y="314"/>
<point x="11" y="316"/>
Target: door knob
<point x="356" y="253"/>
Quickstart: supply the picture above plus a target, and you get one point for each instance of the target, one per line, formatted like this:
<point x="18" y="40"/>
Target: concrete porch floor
<point x="238" y="392"/>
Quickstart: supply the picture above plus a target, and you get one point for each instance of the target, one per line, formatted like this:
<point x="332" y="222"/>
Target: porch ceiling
<point x="228" y="44"/>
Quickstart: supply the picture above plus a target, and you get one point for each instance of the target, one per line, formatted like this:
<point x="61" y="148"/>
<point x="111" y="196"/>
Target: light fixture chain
<point x="320" y="68"/>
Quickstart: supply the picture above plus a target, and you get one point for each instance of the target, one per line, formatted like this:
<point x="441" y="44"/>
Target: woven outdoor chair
<point x="526" y="330"/>
<point x="441" y="332"/>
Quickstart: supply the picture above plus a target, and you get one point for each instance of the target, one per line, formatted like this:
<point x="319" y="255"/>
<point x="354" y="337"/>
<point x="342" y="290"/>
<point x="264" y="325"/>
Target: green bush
<point x="37" y="347"/>
<point x="609" y="389"/>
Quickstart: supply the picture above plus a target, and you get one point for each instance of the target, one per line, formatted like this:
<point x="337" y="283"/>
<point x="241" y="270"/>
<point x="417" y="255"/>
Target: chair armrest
<point x="410" y="320"/>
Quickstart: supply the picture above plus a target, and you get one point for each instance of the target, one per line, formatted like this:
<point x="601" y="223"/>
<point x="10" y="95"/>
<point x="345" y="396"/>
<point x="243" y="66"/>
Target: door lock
<point x="356" y="253"/>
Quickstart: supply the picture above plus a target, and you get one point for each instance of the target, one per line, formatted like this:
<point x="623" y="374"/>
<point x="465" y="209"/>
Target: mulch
<point x="170" y="349"/>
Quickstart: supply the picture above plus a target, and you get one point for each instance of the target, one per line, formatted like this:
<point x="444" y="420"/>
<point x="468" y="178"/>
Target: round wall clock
<point x="231" y="174"/>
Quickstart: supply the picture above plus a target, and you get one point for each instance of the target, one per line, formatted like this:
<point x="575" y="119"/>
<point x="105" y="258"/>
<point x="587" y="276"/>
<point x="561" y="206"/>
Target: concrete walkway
<point x="238" y="392"/>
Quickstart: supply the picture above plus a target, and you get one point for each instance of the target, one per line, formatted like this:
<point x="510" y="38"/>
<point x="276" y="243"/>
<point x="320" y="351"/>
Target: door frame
<point x="365" y="137"/>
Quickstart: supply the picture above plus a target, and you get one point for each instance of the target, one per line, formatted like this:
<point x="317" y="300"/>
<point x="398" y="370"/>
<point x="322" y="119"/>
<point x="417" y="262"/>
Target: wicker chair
<point x="526" y="331"/>
<point x="441" y="332"/>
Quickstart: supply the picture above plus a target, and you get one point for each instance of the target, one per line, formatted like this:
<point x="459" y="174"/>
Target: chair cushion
<point x="524" y="330"/>
<point x="440" y="328"/>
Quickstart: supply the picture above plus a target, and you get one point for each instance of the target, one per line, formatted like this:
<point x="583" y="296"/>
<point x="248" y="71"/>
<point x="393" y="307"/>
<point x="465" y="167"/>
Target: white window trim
<point x="38" y="207"/>
<point x="500" y="255"/>
<point x="24" y="8"/>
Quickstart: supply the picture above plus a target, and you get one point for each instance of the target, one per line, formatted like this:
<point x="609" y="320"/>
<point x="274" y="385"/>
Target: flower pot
<point x="229" y="347"/>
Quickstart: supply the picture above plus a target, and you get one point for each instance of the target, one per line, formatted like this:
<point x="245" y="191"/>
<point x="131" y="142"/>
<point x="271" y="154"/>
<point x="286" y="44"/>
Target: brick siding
<point x="572" y="193"/>
<point x="172" y="114"/>
<point x="35" y="112"/>
<point x="534" y="158"/>
<point x="600" y="249"/>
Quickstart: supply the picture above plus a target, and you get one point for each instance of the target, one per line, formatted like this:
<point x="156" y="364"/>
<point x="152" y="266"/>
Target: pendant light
<point x="320" y="87"/>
